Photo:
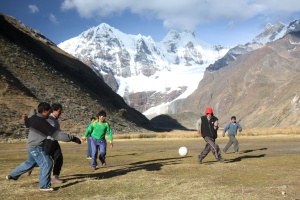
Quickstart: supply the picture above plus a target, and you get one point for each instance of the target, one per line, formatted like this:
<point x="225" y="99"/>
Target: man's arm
<point x="110" y="136"/>
<point x="198" y="126"/>
<point x="61" y="136"/>
<point x="87" y="132"/>
<point x="225" y="129"/>
<point x="240" y="127"/>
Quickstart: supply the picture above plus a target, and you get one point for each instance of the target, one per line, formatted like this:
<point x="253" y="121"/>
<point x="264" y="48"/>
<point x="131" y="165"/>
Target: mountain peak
<point x="271" y="33"/>
<point x="175" y="35"/>
<point x="293" y="26"/>
<point x="105" y="27"/>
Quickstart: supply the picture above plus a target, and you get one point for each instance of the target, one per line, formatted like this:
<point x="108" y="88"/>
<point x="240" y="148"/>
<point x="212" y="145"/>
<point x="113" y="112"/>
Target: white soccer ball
<point x="183" y="151"/>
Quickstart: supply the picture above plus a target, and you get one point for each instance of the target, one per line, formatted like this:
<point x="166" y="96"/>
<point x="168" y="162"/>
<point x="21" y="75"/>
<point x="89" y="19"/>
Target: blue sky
<point x="224" y="22"/>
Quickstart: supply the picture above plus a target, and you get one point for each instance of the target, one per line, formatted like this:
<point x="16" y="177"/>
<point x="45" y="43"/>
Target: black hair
<point x="233" y="117"/>
<point x="43" y="106"/>
<point x="101" y="113"/>
<point x="55" y="107"/>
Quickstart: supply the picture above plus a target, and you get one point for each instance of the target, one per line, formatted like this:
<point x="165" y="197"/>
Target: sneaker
<point x="89" y="158"/>
<point x="93" y="168"/>
<point x="8" y="177"/>
<point x="224" y="152"/>
<point x="236" y="152"/>
<point x="103" y="164"/>
<point x="46" y="189"/>
<point x="221" y="159"/>
<point x="56" y="180"/>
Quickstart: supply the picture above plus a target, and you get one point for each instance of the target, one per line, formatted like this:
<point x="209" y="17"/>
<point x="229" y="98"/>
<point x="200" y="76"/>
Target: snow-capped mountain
<point x="145" y="73"/>
<point x="270" y="34"/>
<point x="260" y="83"/>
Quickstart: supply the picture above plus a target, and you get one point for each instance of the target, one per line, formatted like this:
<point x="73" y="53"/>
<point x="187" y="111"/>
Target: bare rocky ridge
<point x="33" y="69"/>
<point x="262" y="88"/>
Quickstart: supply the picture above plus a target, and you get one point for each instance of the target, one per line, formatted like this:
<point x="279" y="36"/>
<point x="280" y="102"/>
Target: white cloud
<point x="53" y="19"/>
<point x="230" y="24"/>
<point x="33" y="8"/>
<point x="187" y="14"/>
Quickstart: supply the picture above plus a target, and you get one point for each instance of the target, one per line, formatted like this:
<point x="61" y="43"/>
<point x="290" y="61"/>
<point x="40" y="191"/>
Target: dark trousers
<point x="57" y="157"/>
<point x="234" y="141"/>
<point x="210" y="146"/>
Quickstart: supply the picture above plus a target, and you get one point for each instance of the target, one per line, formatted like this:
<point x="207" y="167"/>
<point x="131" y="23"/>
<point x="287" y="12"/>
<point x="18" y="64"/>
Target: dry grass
<point x="150" y="168"/>
<point x="272" y="131"/>
<point x="160" y="135"/>
<point x="193" y="134"/>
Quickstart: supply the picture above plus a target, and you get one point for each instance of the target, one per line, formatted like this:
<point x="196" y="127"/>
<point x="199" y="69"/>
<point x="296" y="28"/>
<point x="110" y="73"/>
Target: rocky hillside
<point x="33" y="69"/>
<point x="262" y="87"/>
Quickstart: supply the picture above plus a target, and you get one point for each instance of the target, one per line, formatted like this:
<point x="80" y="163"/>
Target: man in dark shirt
<point x="39" y="130"/>
<point x="208" y="126"/>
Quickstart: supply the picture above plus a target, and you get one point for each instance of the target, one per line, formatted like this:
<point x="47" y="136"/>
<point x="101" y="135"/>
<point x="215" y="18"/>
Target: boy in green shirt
<point x="98" y="129"/>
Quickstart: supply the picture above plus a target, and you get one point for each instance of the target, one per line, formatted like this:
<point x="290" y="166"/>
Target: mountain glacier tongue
<point x="148" y="75"/>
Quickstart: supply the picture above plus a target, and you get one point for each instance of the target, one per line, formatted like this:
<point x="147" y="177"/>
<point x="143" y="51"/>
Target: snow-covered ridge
<point x="173" y="66"/>
<point x="139" y="64"/>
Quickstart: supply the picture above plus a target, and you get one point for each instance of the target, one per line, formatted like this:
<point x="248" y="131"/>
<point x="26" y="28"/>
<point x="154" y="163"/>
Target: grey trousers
<point x="234" y="141"/>
<point x="210" y="146"/>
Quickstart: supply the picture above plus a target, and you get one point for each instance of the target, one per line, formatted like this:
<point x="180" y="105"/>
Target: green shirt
<point x="99" y="130"/>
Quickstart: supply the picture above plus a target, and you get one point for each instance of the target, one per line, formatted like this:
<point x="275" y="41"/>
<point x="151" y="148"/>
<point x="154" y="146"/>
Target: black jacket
<point x="207" y="127"/>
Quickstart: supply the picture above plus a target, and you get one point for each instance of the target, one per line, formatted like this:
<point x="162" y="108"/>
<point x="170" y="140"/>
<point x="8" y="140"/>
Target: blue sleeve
<point x="226" y="128"/>
<point x="240" y="127"/>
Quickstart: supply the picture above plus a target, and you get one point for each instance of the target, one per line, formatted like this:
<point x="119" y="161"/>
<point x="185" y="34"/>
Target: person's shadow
<point x="148" y="165"/>
<point x="247" y="156"/>
<point x="251" y="150"/>
<point x="244" y="157"/>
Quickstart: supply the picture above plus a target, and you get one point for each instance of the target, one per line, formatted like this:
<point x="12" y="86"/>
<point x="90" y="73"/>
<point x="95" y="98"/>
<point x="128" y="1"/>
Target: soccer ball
<point x="183" y="151"/>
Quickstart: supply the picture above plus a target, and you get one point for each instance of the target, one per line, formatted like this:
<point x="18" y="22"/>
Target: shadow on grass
<point x="238" y="159"/>
<point x="148" y="165"/>
<point x="251" y="150"/>
<point x="244" y="157"/>
<point x="130" y="154"/>
<point x="241" y="157"/>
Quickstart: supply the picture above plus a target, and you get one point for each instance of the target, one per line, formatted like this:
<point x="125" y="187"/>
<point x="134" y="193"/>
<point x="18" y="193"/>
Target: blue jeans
<point x="98" y="145"/>
<point x="36" y="156"/>
<point x="89" y="150"/>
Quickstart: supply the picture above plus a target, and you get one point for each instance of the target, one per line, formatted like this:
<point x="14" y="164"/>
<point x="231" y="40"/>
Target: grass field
<point x="151" y="168"/>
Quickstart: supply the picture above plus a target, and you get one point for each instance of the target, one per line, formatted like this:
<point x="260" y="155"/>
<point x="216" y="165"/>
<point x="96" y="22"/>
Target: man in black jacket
<point x="208" y="126"/>
<point x="53" y="147"/>
<point x="39" y="130"/>
<point x="56" y="153"/>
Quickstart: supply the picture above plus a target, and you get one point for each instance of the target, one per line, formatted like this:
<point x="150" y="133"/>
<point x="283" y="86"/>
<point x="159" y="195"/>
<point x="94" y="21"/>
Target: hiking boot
<point x="46" y="189"/>
<point x="56" y="180"/>
<point x="200" y="159"/>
